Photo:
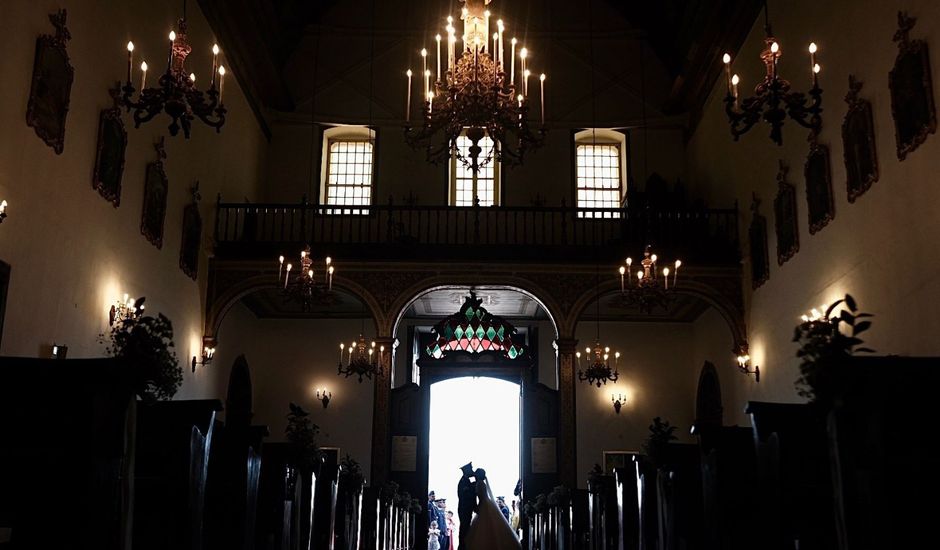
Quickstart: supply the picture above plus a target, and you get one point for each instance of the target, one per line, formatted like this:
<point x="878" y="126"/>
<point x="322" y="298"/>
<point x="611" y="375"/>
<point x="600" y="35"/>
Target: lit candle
<point x="629" y="273"/>
<point x="215" y="63"/>
<point x="542" y="95"/>
<point x="775" y="50"/>
<point x="430" y="102"/>
<point x="812" y="61"/>
<point x="525" y="87"/>
<point x="427" y="84"/>
<point x="143" y="74"/>
<point x="675" y="276"/>
<point x="169" y="61"/>
<point x="519" y="97"/>
<point x="495" y="64"/>
<point x="451" y="53"/>
<point x="622" y="271"/>
<point x="287" y="275"/>
<point x="512" y="63"/>
<point x="734" y="88"/>
<point x="280" y="267"/>
<point x="221" y="81"/>
<point x="408" y="100"/>
<point x="486" y="23"/>
<point x="500" y="28"/>
<point x="310" y="274"/>
<point x="816" y="69"/>
<point x="523" y="54"/>
<point x="666" y="277"/>
<point x="424" y="60"/>
<point x="438" y="39"/>
<point x="192" y="77"/>
<point x="329" y="284"/>
<point x="639" y="277"/>
<point x="727" y="61"/>
<point x="130" y="61"/>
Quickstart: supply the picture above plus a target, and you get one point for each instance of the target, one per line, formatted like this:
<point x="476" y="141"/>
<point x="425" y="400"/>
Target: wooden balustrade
<point x="520" y="233"/>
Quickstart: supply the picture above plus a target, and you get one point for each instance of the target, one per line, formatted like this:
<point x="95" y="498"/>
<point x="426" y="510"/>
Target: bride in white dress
<point x="489" y="529"/>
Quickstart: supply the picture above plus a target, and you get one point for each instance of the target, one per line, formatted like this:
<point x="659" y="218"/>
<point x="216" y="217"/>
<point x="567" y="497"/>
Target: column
<point x="381" y="412"/>
<point x="567" y="411"/>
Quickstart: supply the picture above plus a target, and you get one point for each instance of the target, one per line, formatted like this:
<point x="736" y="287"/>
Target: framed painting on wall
<point x="818" y="173"/>
<point x="156" y="188"/>
<point x="757" y="237"/>
<point x="112" y="144"/>
<point x="330" y="455"/>
<point x="858" y="143"/>
<point x="51" y="88"/>
<point x="785" y="220"/>
<point x="617" y="459"/>
<point x="912" y="102"/>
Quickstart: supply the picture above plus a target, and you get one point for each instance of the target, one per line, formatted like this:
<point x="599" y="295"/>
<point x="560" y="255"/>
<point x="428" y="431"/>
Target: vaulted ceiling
<point x="344" y="59"/>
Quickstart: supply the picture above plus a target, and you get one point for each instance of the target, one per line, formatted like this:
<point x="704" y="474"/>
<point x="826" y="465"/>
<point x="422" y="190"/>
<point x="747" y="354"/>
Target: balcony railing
<point x="391" y="231"/>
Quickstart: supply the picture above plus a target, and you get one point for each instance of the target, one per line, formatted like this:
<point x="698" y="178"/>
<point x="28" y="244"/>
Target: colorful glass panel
<point x="473" y="330"/>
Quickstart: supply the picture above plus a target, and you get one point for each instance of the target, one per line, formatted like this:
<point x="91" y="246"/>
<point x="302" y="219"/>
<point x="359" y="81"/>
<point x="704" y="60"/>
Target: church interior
<point x="689" y="244"/>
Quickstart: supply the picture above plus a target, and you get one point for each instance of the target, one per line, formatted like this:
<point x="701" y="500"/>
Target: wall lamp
<point x="3" y="210"/>
<point x="324" y="396"/>
<point x="59" y="351"/>
<point x="744" y="363"/>
<point x="208" y="352"/>
<point x="618" y="400"/>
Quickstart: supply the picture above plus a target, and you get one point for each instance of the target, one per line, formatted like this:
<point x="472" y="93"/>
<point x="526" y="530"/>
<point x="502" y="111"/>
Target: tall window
<point x="464" y="185"/>
<point x="600" y="156"/>
<point x="349" y="174"/>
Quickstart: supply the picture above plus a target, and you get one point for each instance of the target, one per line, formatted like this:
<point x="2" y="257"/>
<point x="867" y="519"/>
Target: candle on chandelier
<point x="495" y="64"/>
<point x="221" y="81"/>
<point x="775" y="50"/>
<point x="525" y="87"/>
<point x="287" y="275"/>
<point x="816" y="69"/>
<point x="310" y="274"/>
<point x="500" y="28"/>
<point x="675" y="276"/>
<point x="519" y="97"/>
<point x="329" y="284"/>
<point x="130" y="61"/>
<point x="192" y="77"/>
<point x="451" y="53"/>
<point x="169" y="61"/>
<point x="542" y="95"/>
<point x="629" y="273"/>
<point x="424" y="60"/>
<point x="486" y="24"/>
<point x="622" y="271"/>
<point x="734" y="88"/>
<point x="512" y="63"/>
<point x="143" y="74"/>
<point x="523" y="54"/>
<point x="427" y="84"/>
<point x="666" y="277"/>
<point x="408" y="100"/>
<point x="639" y="277"/>
<point x="438" y="39"/>
<point x="430" y="102"/>
<point x="280" y="266"/>
<point x="342" y="347"/>
<point x="727" y="61"/>
<point x="215" y="64"/>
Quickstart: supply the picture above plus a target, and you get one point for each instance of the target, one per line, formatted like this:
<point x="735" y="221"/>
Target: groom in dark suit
<point x="467" y="495"/>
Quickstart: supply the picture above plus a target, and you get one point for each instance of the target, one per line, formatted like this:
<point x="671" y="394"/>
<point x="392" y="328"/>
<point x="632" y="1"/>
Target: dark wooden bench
<point x="729" y="479"/>
<point x="628" y="512"/>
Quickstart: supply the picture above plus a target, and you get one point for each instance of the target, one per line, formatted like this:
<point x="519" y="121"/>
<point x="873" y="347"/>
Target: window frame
<point x="497" y="188"/>
<point x="602" y="136"/>
<point x="346" y="134"/>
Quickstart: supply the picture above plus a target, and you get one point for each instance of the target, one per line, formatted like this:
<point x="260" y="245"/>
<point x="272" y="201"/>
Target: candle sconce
<point x="208" y="352"/>
<point x="3" y="210"/>
<point x="618" y="399"/>
<point x="744" y="363"/>
<point x="324" y="396"/>
<point x="127" y="309"/>
<point x="59" y="351"/>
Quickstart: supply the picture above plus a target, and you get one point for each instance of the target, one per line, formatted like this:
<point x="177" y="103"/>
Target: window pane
<point x="349" y="180"/>
<point x="598" y="182"/>
<point x="464" y="191"/>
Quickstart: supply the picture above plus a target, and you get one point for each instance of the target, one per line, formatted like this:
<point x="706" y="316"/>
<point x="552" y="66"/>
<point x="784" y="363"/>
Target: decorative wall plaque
<point x="858" y="143"/>
<point x="544" y="455"/>
<point x="757" y="236"/>
<point x="818" y="174"/>
<point x="192" y="236"/>
<point x="912" y="103"/>
<point x="404" y="453"/>
<point x="52" y="85"/>
<point x="785" y="222"/>
<point x="112" y="144"/>
<point x="156" y="187"/>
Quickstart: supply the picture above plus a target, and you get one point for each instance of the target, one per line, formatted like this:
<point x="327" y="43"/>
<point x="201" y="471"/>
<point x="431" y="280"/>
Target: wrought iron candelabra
<point x="176" y="93"/>
<point x="773" y="99"/>
<point x="597" y="369"/>
<point x="305" y="287"/>
<point x="361" y="359"/>
<point x="648" y="290"/>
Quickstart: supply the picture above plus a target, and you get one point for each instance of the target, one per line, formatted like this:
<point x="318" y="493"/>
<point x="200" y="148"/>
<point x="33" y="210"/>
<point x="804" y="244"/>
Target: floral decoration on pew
<point x="826" y="340"/>
<point x="661" y="433"/>
<point x="351" y="471"/>
<point x="146" y="344"/>
<point x="301" y="434"/>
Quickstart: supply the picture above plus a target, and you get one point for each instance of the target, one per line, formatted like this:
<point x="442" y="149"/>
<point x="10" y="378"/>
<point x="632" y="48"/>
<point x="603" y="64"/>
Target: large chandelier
<point x="361" y="359"/>
<point x="596" y="365"/>
<point x="475" y="97"/>
<point x="176" y="92"/>
<point x="648" y="290"/>
<point x="773" y="99"/>
<point x="306" y="286"/>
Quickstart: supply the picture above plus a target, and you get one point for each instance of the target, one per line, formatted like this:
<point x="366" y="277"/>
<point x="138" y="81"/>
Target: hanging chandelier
<point x="596" y="366"/>
<point x="474" y="96"/>
<point x="647" y="291"/>
<point x="176" y="93"/>
<point x="361" y="359"/>
<point x="773" y="99"/>
<point x="306" y="287"/>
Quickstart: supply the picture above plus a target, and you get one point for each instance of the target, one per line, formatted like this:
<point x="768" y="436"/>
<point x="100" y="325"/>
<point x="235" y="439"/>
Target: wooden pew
<point x="174" y="439"/>
<point x="349" y="509"/>
<point x="371" y="519"/>
<point x="276" y="498"/>
<point x="581" y="519"/>
<point x="66" y="452"/>
<point x="796" y="493"/>
<point x="628" y="512"/>
<point x="729" y="478"/>
<point x="603" y="509"/>
<point x="679" y="489"/>
<point x="646" y="475"/>
<point x="883" y="463"/>
<point x="324" y="502"/>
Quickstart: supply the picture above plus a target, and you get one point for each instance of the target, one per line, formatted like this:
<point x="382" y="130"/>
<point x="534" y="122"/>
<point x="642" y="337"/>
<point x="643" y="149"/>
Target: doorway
<point x="474" y="419"/>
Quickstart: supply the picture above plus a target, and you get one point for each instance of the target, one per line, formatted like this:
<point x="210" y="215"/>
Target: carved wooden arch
<point x="729" y="309"/>
<point x="441" y="281"/>
<point x="223" y="303"/>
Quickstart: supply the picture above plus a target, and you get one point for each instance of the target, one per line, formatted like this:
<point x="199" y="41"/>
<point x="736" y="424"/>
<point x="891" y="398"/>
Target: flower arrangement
<point x="661" y="433"/>
<point x="301" y="434"/>
<point x="146" y="343"/>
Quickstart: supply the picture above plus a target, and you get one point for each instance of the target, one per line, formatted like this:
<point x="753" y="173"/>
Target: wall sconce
<point x="324" y="396"/>
<point x="126" y="310"/>
<point x="744" y="363"/>
<point x="3" y="210"/>
<point x="59" y="351"/>
<point x="618" y="400"/>
<point x="208" y="352"/>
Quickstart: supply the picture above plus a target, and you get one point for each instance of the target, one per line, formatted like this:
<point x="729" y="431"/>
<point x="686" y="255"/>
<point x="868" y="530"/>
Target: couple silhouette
<point x="482" y="525"/>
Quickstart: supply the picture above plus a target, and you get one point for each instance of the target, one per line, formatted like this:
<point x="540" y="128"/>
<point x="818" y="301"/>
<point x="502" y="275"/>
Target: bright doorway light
<point x="474" y="419"/>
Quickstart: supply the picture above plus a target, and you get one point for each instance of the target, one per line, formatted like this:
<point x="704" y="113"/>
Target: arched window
<point x="601" y="170"/>
<point x="346" y="173"/>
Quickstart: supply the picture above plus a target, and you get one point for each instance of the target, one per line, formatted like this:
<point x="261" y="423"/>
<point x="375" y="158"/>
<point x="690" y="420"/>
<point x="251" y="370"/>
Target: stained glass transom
<point x="474" y="330"/>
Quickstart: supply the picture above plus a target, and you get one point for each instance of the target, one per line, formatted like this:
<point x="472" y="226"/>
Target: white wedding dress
<point x="489" y="529"/>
